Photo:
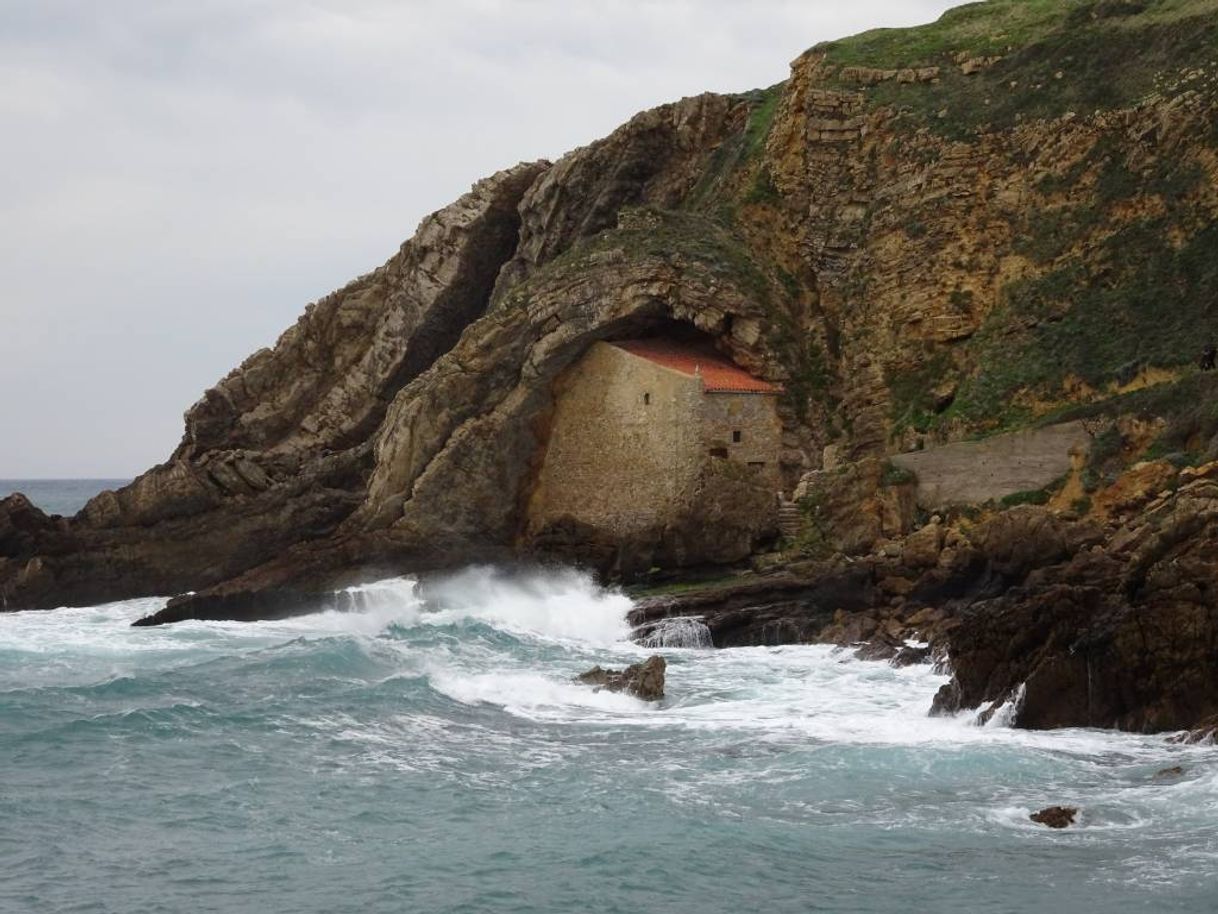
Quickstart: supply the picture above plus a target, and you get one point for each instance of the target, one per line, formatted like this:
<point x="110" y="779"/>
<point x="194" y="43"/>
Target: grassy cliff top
<point x="1004" y="61"/>
<point x="999" y="27"/>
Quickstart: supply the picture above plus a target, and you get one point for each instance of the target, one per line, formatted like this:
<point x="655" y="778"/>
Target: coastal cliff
<point x="997" y="221"/>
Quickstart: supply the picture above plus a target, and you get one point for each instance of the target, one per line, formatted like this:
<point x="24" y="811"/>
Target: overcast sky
<point x="181" y="177"/>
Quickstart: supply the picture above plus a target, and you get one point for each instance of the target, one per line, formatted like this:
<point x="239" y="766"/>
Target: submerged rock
<point x="644" y="680"/>
<point x="1055" y="816"/>
<point x="1174" y="771"/>
<point x="1204" y="731"/>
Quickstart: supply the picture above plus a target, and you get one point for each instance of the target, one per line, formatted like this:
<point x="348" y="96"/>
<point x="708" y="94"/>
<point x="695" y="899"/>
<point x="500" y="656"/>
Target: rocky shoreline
<point x="1062" y="621"/>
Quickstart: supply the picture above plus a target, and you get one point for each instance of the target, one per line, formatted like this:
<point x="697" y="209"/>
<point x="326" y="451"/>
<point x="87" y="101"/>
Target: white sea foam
<point x="796" y="735"/>
<point x="809" y="693"/>
<point x="681" y="631"/>
<point x="536" y="696"/>
<point x="560" y="604"/>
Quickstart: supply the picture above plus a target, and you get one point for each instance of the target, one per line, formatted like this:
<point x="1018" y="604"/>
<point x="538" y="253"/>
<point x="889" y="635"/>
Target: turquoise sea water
<point x="428" y="752"/>
<point x="59" y="496"/>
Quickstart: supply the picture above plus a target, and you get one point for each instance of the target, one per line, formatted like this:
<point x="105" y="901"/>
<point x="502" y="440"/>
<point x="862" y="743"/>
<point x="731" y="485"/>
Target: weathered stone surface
<point x="970" y="472"/>
<point x="921" y="548"/>
<point x="1135" y="488"/>
<point x="643" y="680"/>
<point x="851" y="507"/>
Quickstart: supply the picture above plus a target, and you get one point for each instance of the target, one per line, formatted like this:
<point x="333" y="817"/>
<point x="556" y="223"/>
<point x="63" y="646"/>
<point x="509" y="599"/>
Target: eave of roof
<point x="719" y="374"/>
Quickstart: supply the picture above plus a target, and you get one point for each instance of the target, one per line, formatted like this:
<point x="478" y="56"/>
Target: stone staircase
<point x="790" y="518"/>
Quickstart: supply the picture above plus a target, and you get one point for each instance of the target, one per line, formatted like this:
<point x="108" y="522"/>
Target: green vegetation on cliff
<point x="1007" y="61"/>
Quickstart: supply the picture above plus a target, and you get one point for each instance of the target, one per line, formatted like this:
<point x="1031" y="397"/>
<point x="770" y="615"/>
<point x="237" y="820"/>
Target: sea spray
<point x="677" y="632"/>
<point x="556" y="603"/>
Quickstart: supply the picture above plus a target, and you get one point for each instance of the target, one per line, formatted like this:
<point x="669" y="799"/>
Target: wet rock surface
<point x="1120" y="634"/>
<point x="1055" y="816"/>
<point x="1058" y="622"/>
<point x="643" y="680"/>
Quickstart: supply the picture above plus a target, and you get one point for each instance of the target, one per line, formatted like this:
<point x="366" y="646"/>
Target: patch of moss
<point x="721" y="178"/>
<point x="762" y="190"/>
<point x="912" y="392"/>
<point x="686" y="585"/>
<point x="1144" y="308"/>
<point x="761" y="120"/>
<point x="1030" y="497"/>
<point x="894" y="475"/>
<point x="1033" y="496"/>
<point x="978" y="29"/>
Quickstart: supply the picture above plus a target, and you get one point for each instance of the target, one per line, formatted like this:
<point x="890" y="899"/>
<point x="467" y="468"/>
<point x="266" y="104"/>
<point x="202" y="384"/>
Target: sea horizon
<point x="60" y="495"/>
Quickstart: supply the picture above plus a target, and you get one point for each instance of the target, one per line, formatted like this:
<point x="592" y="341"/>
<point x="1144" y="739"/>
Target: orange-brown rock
<point x="1134" y="489"/>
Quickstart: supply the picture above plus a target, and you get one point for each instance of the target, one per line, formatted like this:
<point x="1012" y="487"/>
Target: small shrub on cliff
<point x="894" y="475"/>
<point x="1030" y="497"/>
<point x="1034" y="496"/>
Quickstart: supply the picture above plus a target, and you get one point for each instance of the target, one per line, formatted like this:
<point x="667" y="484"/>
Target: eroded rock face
<point x="851" y="507"/>
<point x="1059" y="623"/>
<point x="1123" y="634"/>
<point x="398" y="425"/>
<point x="278" y="453"/>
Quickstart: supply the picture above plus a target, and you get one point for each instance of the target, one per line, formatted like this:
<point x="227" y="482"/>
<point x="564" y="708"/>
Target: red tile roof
<point x="719" y="374"/>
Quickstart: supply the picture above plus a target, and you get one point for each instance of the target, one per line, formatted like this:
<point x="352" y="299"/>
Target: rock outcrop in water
<point x="643" y="680"/>
<point x="1123" y="633"/>
<point x="1055" y="816"/>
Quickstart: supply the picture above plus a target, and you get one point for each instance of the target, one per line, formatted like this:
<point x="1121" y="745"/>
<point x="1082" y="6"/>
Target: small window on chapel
<point x="646" y="399"/>
<point x="735" y="437"/>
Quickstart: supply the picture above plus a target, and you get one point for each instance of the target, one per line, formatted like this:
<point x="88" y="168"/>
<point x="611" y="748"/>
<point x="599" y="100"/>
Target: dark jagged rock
<point x="643" y="680"/>
<point x="1121" y="635"/>
<point x="1045" y="618"/>
<point x="779" y="609"/>
<point x="1055" y="816"/>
